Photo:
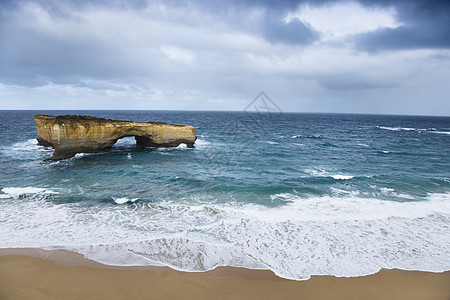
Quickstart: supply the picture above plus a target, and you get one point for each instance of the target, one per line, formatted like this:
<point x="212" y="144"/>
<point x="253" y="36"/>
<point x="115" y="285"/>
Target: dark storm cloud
<point x="272" y="26"/>
<point x="425" y="24"/>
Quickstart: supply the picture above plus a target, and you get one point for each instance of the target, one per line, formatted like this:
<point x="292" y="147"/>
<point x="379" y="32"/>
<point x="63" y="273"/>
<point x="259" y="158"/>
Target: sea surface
<point x="298" y="194"/>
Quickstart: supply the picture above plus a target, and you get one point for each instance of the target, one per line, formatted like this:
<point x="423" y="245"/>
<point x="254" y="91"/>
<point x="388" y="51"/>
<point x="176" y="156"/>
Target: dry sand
<point x="38" y="274"/>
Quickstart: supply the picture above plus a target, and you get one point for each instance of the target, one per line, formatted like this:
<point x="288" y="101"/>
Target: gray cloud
<point x="32" y="58"/>
<point x="345" y="82"/>
<point x="275" y="29"/>
<point x="425" y="24"/>
<point x="406" y="37"/>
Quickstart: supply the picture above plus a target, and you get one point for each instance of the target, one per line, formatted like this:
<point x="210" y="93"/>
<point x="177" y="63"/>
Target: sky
<point x="382" y="56"/>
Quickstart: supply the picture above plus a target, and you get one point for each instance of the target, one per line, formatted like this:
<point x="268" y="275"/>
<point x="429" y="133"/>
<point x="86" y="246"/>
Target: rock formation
<point x="70" y="135"/>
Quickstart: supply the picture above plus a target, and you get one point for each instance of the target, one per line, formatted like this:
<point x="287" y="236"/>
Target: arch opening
<point x="130" y="141"/>
<point x="125" y="142"/>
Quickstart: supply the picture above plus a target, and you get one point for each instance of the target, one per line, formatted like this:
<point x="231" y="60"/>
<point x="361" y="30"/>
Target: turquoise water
<point x="299" y="194"/>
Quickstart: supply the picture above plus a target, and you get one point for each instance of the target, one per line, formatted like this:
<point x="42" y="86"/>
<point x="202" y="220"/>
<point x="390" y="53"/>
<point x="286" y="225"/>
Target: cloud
<point x="417" y="36"/>
<point x="276" y="29"/>
<point x="425" y="24"/>
<point x="218" y="55"/>
<point x="329" y="21"/>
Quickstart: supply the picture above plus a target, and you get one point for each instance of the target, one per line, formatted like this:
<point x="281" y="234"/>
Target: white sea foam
<point x="24" y="192"/>
<point x="285" y="197"/>
<point x="342" y="177"/>
<point x="27" y="150"/>
<point x="342" y="236"/>
<point x="317" y="172"/>
<point x="271" y="142"/>
<point x="325" y="173"/>
<point x="29" y="145"/>
<point x="399" y="128"/>
<point x="124" y="200"/>
<point x="390" y="192"/>
<point x="390" y="128"/>
<point x="200" y="143"/>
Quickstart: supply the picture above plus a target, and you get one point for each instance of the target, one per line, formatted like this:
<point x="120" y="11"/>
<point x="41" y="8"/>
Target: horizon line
<point x="235" y="111"/>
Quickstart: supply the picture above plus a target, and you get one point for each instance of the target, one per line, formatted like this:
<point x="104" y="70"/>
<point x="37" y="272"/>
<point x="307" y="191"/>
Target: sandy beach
<point x="40" y="274"/>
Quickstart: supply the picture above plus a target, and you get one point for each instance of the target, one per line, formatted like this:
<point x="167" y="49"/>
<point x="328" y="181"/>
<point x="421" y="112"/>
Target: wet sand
<point x="39" y="274"/>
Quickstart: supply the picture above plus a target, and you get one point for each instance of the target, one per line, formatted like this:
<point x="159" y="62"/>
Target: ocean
<point x="299" y="194"/>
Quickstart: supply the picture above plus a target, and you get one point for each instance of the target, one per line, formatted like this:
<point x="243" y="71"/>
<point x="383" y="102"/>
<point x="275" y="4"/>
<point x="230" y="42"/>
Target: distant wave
<point x="441" y="132"/>
<point x="430" y="130"/>
<point x="397" y="128"/>
<point x="306" y="136"/>
<point x="324" y="173"/>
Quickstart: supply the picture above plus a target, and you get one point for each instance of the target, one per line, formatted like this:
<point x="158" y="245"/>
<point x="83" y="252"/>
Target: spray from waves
<point x="201" y="143"/>
<point x="28" y="152"/>
<point x="30" y="145"/>
<point x="342" y="236"/>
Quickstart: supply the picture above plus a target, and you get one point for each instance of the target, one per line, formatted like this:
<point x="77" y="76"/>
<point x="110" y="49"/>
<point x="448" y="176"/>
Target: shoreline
<point x="29" y="273"/>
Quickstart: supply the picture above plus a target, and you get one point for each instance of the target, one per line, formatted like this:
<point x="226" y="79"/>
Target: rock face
<point x="70" y="135"/>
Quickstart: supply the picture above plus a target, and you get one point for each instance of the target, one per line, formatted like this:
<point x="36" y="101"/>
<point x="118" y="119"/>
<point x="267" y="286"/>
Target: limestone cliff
<point x="70" y="135"/>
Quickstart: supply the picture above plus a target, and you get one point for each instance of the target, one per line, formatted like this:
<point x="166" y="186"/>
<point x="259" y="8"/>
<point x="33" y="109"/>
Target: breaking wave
<point x="342" y="236"/>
